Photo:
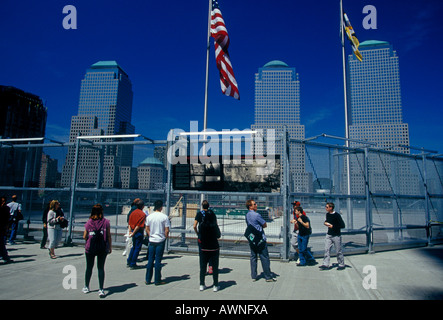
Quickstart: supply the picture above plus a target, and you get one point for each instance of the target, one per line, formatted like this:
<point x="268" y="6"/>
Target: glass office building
<point x="105" y="108"/>
<point x="375" y="113"/>
<point x="277" y="104"/>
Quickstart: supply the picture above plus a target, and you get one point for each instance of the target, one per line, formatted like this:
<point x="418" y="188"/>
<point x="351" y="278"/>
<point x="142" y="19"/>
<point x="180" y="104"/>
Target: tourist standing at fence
<point x="4" y="223"/>
<point x="295" y="231"/>
<point x="199" y="217"/>
<point x="129" y="239"/>
<point x="15" y="216"/>
<point x="209" y="250"/>
<point x="45" y="227"/>
<point x="305" y="230"/>
<point x="157" y="228"/>
<point x="335" y="223"/>
<point x="54" y="230"/>
<point x="137" y="225"/>
<point x="98" y="244"/>
<point x="256" y="221"/>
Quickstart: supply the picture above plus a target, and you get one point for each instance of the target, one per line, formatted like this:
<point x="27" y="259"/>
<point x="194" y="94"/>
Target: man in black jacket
<point x="335" y="223"/>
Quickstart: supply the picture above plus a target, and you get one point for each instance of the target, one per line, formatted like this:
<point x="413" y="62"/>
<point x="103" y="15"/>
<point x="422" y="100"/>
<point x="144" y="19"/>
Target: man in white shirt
<point x="16" y="214"/>
<point x="157" y="228"/>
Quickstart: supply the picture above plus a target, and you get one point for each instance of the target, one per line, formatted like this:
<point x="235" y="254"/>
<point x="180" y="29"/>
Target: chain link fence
<point x="388" y="199"/>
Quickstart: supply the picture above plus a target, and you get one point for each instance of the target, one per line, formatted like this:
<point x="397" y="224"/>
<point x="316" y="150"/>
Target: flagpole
<point x="205" y="118"/>
<point x="348" y="164"/>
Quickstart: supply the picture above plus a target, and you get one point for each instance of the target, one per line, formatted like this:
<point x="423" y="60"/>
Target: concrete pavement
<point x="411" y="274"/>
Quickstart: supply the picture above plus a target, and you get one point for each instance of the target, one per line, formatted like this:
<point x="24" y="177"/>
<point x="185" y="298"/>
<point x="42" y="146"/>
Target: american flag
<point x="221" y="42"/>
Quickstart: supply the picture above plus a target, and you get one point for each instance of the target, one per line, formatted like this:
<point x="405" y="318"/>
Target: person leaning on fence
<point x="98" y="244"/>
<point x="335" y="223"/>
<point x="54" y="230"/>
<point x="256" y="221"/>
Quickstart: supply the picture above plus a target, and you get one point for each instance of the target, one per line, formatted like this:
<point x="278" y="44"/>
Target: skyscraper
<point x="22" y="115"/>
<point x="374" y="96"/>
<point x="277" y="105"/>
<point x="105" y="108"/>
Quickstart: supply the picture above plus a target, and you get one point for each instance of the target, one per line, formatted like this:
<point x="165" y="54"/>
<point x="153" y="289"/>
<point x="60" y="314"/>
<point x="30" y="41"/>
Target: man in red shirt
<point x="137" y="225"/>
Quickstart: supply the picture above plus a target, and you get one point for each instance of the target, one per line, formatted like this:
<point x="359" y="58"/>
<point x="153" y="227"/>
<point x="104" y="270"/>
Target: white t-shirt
<point x="157" y="222"/>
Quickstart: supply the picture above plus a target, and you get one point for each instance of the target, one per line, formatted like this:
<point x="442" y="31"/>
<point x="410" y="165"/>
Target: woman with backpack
<point x="98" y="244"/>
<point x="208" y="235"/>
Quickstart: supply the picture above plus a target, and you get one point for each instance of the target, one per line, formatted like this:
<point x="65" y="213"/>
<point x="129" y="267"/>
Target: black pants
<point x="90" y="258"/>
<point x="212" y="258"/>
<point x="45" y="237"/>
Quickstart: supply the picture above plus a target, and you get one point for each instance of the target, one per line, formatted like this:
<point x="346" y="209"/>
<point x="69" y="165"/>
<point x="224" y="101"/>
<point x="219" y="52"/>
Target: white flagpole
<point x="348" y="164"/>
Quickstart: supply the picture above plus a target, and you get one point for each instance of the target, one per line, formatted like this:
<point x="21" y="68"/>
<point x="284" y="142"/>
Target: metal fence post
<point x="427" y="212"/>
<point x="285" y="193"/>
<point x="369" y="223"/>
<point x="168" y="186"/>
<point x="73" y="186"/>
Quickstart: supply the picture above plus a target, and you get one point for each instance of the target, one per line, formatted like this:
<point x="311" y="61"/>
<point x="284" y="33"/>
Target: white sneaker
<point x="85" y="290"/>
<point x="216" y="288"/>
<point x="101" y="293"/>
<point x="202" y="288"/>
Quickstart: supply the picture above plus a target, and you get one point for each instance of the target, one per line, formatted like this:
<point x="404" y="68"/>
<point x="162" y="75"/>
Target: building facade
<point x="23" y="115"/>
<point x="105" y="108"/>
<point x="277" y="105"/>
<point x="151" y="174"/>
<point x="374" y="95"/>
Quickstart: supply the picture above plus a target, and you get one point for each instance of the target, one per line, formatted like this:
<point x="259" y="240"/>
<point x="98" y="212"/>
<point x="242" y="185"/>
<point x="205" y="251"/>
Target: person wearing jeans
<point x="157" y="228"/>
<point x="136" y="225"/>
<point x="256" y="220"/>
<point x="304" y="227"/>
<point x="155" y="256"/>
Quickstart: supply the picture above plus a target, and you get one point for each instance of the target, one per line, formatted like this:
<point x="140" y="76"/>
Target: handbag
<point x="19" y="215"/>
<point x="64" y="223"/>
<point x="255" y="238"/>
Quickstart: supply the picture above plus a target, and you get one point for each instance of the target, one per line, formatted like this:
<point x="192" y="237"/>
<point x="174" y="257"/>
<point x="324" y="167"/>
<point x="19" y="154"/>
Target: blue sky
<point x="162" y="47"/>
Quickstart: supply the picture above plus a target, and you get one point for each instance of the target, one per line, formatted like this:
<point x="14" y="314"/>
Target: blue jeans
<point x="14" y="227"/>
<point x="137" y="242"/>
<point x="265" y="263"/>
<point x="305" y="255"/>
<point x="155" y="253"/>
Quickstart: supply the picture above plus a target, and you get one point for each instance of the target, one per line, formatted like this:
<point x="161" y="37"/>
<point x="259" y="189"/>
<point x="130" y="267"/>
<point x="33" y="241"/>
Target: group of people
<point x="156" y="225"/>
<point x="302" y="231"/>
<point x="97" y="235"/>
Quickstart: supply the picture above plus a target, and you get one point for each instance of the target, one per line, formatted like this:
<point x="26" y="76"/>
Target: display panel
<point x="239" y="174"/>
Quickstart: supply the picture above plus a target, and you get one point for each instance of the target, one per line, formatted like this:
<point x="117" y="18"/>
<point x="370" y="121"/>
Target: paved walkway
<point x="415" y="274"/>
